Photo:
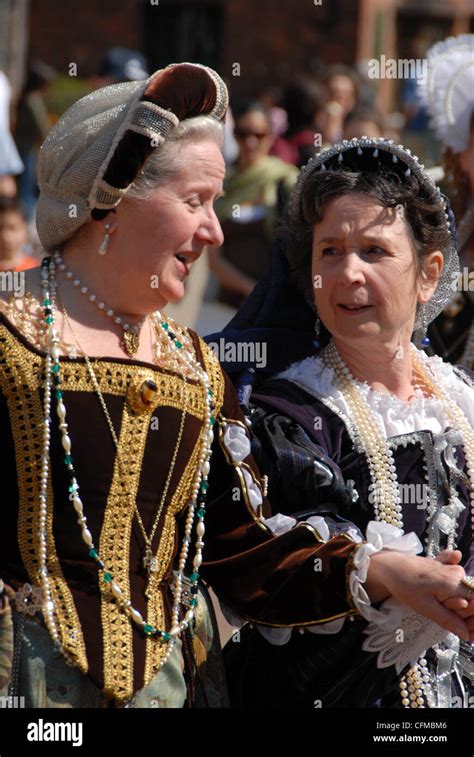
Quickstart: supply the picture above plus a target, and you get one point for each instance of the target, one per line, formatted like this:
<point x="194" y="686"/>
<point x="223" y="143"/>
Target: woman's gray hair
<point x="166" y="162"/>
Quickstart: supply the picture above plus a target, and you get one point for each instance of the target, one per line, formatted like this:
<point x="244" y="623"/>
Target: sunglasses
<point x="241" y="134"/>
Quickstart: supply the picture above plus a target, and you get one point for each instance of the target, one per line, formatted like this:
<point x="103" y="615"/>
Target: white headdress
<point x="448" y="90"/>
<point x="95" y="151"/>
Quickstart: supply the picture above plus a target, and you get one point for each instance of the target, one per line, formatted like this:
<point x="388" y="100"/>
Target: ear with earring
<point x="109" y="229"/>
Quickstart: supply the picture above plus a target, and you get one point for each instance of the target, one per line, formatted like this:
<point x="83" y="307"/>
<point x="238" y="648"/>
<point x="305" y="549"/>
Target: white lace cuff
<point x="379" y="536"/>
<point x="404" y="638"/>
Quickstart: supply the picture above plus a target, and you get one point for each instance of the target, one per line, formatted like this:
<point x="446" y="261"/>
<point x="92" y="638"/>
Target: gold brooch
<point x="142" y="394"/>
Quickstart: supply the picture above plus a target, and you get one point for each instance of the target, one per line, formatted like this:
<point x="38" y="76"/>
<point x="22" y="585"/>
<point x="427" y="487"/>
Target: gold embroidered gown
<point x="263" y="577"/>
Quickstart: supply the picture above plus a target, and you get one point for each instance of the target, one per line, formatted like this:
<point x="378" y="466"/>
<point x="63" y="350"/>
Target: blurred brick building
<point x="251" y="44"/>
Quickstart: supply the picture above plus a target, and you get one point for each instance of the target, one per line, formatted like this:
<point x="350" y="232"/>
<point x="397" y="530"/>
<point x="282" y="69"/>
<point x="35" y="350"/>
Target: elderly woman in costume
<point x="126" y="466"/>
<point x="365" y="436"/>
<point x="448" y="93"/>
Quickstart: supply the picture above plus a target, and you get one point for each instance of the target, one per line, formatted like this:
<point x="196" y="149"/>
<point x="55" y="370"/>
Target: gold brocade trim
<point x="314" y="531"/>
<point x="19" y="383"/>
<point x="114" y="550"/>
<point x="115" y="378"/>
<point x="115" y="538"/>
<point x="116" y="531"/>
<point x="302" y="624"/>
<point x="155" y="649"/>
<point x="238" y="466"/>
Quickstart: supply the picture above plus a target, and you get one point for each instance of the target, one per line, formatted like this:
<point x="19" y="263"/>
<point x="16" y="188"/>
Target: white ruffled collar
<point x="396" y="416"/>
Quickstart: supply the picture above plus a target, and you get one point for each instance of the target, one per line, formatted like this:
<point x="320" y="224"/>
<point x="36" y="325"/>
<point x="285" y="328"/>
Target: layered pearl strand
<point x="196" y="505"/>
<point x="147" y="539"/>
<point x="130" y="333"/>
<point x="416" y="684"/>
<point x="166" y="331"/>
<point x="380" y="458"/>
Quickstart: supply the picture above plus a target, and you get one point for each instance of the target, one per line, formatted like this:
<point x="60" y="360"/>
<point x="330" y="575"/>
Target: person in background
<point x="271" y="99"/>
<point x="416" y="133"/>
<point x="120" y="64"/>
<point x="31" y="128"/>
<point x="303" y="102"/>
<point x="256" y="189"/>
<point x="448" y="95"/>
<point x="14" y="237"/>
<point x="10" y="161"/>
<point x="364" y="122"/>
<point x="343" y="88"/>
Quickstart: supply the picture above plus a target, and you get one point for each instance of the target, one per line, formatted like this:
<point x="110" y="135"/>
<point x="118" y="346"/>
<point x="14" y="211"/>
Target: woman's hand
<point x="424" y="585"/>
<point x="463" y="607"/>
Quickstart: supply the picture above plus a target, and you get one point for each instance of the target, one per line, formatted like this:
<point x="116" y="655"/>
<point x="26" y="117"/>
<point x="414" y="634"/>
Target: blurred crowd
<point x="25" y="122"/>
<point x="268" y="138"/>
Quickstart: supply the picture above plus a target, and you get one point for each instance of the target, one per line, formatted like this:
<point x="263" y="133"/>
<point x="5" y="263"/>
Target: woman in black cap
<point x="362" y="434"/>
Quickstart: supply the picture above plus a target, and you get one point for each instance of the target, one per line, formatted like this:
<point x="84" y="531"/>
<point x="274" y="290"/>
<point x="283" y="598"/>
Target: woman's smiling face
<point x="366" y="284"/>
<point x="170" y="229"/>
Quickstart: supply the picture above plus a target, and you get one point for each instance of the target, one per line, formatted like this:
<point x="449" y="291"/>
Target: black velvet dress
<point x="311" y="454"/>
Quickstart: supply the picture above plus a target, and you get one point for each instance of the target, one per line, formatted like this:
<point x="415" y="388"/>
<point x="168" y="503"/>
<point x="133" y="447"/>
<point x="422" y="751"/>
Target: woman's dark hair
<point x="302" y="100"/>
<point x="244" y="105"/>
<point x="340" y="69"/>
<point x="423" y="210"/>
<point x="364" y="113"/>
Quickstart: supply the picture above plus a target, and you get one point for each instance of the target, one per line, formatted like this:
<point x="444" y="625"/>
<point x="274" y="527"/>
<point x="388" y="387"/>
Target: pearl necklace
<point x="148" y="560"/>
<point x="416" y="682"/>
<point x="196" y="505"/>
<point x="130" y="333"/>
<point x="384" y="490"/>
<point x="379" y="455"/>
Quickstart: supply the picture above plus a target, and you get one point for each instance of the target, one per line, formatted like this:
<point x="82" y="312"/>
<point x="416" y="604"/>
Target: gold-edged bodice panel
<point x="91" y="625"/>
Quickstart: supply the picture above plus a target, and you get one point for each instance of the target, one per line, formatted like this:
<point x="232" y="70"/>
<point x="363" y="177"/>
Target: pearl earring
<point x="425" y="340"/>
<point x="104" y="245"/>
